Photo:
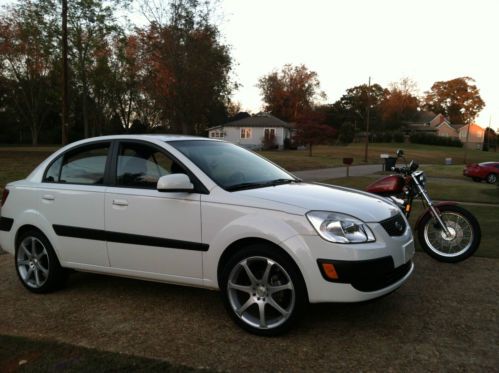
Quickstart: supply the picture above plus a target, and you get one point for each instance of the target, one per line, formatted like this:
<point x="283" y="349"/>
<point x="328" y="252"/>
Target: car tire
<point x="491" y="178"/>
<point x="263" y="290"/>
<point x="37" y="265"/>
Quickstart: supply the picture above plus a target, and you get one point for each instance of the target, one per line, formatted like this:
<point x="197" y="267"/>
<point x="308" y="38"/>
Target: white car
<point x="207" y="213"/>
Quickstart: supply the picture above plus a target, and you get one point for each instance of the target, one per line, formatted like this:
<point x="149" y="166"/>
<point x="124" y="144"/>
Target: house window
<point x="246" y="133"/>
<point x="269" y="133"/>
<point x="217" y="134"/>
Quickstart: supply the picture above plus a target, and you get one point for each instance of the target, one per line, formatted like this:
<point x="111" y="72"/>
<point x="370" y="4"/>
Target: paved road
<point x="336" y="173"/>
<point x="443" y="319"/>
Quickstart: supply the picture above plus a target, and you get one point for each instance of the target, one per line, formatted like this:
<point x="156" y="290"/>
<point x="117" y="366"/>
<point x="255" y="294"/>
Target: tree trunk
<point x="84" y="110"/>
<point x="34" y="135"/>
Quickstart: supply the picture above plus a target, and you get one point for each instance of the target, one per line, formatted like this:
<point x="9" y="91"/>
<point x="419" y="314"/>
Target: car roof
<point x="161" y="137"/>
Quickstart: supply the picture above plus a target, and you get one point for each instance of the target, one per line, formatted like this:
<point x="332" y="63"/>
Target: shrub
<point x="398" y="137"/>
<point x="431" y="139"/>
<point x="347" y="133"/>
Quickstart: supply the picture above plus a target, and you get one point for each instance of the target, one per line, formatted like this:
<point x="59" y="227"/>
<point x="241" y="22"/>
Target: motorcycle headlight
<point x="340" y="228"/>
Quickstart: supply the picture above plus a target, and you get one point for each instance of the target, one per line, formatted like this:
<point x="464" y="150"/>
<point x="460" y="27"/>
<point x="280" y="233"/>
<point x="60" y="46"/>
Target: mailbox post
<point x="348" y="162"/>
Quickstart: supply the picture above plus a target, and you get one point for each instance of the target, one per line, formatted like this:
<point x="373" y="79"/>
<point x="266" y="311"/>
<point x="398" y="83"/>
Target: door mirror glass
<point x="175" y="183"/>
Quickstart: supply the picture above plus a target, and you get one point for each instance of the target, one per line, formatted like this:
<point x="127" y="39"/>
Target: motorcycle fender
<point x="427" y="211"/>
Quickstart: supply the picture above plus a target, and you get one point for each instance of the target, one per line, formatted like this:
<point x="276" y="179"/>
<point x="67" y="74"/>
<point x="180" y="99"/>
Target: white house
<point x="250" y="132"/>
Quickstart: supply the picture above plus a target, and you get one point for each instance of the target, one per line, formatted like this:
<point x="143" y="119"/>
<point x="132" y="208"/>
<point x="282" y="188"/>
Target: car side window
<point x="84" y="165"/>
<point x="141" y="166"/>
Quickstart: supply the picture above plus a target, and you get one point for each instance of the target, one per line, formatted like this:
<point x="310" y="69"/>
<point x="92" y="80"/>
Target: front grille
<point x="383" y="280"/>
<point x="367" y="275"/>
<point x="395" y="226"/>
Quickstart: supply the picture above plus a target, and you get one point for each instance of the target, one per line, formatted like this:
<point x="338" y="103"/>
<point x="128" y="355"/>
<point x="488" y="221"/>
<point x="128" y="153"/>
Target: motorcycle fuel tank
<point x="387" y="185"/>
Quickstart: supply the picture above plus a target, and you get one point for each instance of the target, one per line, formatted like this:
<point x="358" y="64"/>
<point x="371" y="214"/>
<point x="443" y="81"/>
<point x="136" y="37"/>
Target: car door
<point x="153" y="234"/>
<point x="72" y="200"/>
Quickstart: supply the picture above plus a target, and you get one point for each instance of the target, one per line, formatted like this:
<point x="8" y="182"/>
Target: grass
<point x="28" y="355"/>
<point x="325" y="156"/>
<point x="17" y="163"/>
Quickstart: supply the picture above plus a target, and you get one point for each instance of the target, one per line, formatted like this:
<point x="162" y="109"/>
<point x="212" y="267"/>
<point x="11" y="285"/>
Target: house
<point x="250" y="131"/>
<point x="429" y="122"/>
<point x="471" y="135"/>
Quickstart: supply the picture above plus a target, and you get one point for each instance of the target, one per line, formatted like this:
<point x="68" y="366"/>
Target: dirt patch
<point x="443" y="319"/>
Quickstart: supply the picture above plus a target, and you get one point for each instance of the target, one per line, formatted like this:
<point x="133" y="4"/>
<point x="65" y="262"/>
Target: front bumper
<point x="365" y="271"/>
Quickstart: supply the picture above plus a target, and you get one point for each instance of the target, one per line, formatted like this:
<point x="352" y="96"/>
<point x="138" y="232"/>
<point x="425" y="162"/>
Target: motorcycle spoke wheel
<point x="457" y="242"/>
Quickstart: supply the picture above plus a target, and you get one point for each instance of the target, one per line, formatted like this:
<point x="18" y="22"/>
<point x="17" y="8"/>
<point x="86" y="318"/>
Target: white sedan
<point x="206" y="213"/>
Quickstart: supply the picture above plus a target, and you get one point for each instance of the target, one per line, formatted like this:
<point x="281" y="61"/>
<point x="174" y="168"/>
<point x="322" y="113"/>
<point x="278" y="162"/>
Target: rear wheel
<point x="463" y="239"/>
<point x="263" y="290"/>
<point x="37" y="265"/>
<point x="491" y="178"/>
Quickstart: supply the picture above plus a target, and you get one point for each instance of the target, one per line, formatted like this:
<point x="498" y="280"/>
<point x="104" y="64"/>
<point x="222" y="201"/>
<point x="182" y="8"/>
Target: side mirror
<point x="400" y="152"/>
<point x="175" y="183"/>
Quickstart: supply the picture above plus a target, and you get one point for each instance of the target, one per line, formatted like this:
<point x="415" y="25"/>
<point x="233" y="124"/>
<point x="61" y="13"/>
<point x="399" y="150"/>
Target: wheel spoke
<point x="277" y="307"/>
<point x="265" y="277"/>
<point x="261" y="310"/>
<point x="28" y="273"/>
<point x="23" y="262"/>
<point x="26" y="251"/>
<point x="44" y="270"/>
<point x="250" y="274"/>
<point x="245" y="306"/>
<point x="244" y="288"/>
<point x="33" y="246"/>
<point x="275" y="289"/>
<point x="37" y="277"/>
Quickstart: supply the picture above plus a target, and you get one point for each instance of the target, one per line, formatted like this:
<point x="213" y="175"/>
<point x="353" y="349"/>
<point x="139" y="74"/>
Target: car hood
<point x="365" y="206"/>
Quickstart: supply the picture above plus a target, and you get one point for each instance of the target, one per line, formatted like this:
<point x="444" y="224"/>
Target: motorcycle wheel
<point x="465" y="234"/>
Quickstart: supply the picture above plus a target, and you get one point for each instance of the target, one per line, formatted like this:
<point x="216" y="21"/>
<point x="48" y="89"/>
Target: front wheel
<point x="491" y="178"/>
<point x="263" y="290"/>
<point x="463" y="239"/>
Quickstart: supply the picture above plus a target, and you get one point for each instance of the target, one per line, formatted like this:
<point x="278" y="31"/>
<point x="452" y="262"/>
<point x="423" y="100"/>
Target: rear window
<point x="85" y="165"/>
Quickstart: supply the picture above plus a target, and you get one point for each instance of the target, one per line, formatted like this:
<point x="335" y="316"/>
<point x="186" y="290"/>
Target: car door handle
<point x="48" y="197"/>
<point x="120" y="202"/>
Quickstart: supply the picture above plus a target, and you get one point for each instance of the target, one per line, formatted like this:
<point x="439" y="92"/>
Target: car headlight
<point x="340" y="228"/>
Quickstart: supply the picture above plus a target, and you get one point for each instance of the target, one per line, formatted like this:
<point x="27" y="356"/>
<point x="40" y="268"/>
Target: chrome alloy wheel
<point x="261" y="292"/>
<point x="459" y="240"/>
<point x="33" y="262"/>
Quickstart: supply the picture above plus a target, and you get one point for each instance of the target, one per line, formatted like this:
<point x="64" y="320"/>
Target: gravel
<point x="443" y="319"/>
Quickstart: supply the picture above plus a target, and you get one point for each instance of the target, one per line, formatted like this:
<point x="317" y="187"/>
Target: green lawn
<point x="331" y="156"/>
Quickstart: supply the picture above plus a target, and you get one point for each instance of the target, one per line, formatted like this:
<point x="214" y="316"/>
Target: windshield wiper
<point x="242" y="186"/>
<point x="248" y="185"/>
<point x="283" y="181"/>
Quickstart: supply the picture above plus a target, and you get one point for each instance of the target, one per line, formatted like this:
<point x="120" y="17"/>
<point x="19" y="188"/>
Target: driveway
<point x="337" y="172"/>
<point x="443" y="319"/>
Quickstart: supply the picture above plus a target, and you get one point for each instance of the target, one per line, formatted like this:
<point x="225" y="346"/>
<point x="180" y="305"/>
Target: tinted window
<point x="85" y="165"/>
<point x="141" y="166"/>
<point x="52" y="174"/>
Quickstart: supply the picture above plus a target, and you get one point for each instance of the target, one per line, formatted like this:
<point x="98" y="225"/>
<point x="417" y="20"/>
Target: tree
<point x="310" y="130"/>
<point x="354" y="102"/>
<point x="26" y="61"/>
<point x="188" y="66"/>
<point x="290" y="93"/>
<point x="399" y="104"/>
<point x="458" y="99"/>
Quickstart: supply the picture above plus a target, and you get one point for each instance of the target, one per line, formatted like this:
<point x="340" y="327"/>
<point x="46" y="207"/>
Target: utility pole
<point x="65" y="83"/>
<point x="367" y="119"/>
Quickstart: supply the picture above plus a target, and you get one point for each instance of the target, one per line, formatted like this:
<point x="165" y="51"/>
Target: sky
<point x="348" y="41"/>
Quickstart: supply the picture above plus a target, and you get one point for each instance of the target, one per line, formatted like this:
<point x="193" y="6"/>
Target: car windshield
<point x="232" y="167"/>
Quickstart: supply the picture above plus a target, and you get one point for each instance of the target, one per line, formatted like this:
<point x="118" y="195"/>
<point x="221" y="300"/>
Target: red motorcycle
<point x="446" y="231"/>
